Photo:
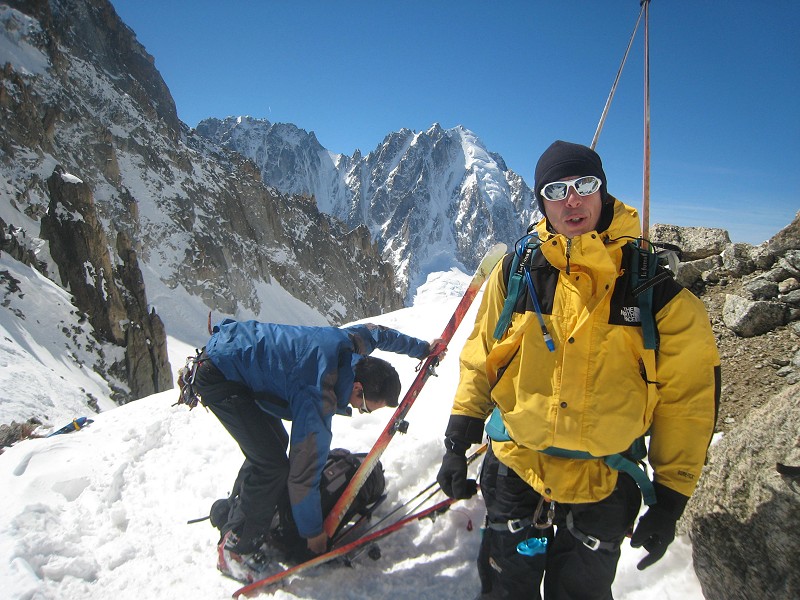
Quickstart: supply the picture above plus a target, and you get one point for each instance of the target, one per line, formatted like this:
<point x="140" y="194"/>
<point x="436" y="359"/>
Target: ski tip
<point x="491" y="258"/>
<point x="499" y="248"/>
<point x="495" y="253"/>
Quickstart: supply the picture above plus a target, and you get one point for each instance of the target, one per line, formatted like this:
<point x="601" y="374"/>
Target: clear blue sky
<point x="724" y="85"/>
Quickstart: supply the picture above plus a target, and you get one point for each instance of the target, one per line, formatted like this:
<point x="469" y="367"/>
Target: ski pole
<point x="470" y="459"/>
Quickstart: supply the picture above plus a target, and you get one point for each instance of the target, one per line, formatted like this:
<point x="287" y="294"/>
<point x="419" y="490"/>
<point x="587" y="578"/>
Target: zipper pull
<point x="569" y="246"/>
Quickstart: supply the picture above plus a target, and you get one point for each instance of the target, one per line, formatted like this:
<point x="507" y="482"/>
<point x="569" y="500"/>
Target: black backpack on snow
<point x="339" y="469"/>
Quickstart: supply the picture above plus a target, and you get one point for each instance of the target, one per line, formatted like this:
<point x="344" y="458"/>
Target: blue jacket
<point x="311" y="368"/>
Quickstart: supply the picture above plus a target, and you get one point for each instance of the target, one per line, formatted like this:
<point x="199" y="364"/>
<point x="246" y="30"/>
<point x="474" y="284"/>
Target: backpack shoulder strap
<point x="523" y="254"/>
<point x="643" y="279"/>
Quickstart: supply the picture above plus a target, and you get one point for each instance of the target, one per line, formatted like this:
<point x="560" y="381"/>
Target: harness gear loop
<point x="537" y="515"/>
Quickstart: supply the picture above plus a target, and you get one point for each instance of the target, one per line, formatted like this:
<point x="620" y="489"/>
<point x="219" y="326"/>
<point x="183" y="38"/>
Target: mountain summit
<point x="432" y="200"/>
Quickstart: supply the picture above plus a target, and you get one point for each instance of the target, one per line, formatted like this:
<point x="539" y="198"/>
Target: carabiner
<point x="537" y="515"/>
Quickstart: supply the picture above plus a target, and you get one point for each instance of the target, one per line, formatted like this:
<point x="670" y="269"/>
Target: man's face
<point x="359" y="401"/>
<point x="575" y="214"/>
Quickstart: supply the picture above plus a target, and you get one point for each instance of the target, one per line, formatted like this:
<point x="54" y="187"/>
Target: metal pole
<point x="646" y="177"/>
<point x="614" y="85"/>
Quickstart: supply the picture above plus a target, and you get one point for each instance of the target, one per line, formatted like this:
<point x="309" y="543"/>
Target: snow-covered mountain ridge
<point x="431" y="200"/>
<point x="81" y="97"/>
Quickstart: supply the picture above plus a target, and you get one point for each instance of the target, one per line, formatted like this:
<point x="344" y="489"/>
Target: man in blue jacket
<point x="252" y="375"/>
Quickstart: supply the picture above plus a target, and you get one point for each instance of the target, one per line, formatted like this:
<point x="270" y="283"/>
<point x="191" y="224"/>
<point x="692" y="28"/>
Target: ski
<point x="397" y="421"/>
<point x="437" y="508"/>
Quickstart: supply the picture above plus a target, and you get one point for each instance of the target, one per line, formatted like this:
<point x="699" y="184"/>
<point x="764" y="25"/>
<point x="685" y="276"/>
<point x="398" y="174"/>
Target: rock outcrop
<point x="743" y="518"/>
<point x="113" y="298"/>
<point x="770" y="273"/>
<point x="82" y="92"/>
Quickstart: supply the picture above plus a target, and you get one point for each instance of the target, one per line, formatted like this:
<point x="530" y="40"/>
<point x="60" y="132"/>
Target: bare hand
<point x="319" y="543"/>
<point x="438" y="348"/>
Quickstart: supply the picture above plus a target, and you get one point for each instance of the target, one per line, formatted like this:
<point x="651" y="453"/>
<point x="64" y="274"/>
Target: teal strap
<point x="496" y="430"/>
<point x="620" y="463"/>
<point x="562" y="453"/>
<point x="617" y="462"/>
<point x="514" y="285"/>
<point x="648" y="323"/>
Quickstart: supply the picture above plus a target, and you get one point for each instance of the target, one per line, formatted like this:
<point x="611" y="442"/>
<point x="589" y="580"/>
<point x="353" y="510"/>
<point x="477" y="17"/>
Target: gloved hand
<point x="453" y="476"/>
<point x="462" y="431"/>
<point x="656" y="529"/>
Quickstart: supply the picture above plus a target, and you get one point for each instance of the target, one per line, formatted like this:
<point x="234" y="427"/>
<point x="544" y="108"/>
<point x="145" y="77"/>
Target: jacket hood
<point x="624" y="225"/>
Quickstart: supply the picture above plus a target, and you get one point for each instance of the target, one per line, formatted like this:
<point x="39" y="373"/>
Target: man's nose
<point x="573" y="198"/>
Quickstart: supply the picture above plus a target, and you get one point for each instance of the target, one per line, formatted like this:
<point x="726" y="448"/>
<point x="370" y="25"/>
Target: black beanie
<point x="565" y="159"/>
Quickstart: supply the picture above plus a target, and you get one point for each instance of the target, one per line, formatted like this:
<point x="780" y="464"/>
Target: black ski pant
<point x="262" y="438"/>
<point x="571" y="570"/>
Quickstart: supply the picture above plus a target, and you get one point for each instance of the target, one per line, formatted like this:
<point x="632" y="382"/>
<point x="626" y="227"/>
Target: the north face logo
<point x="631" y="314"/>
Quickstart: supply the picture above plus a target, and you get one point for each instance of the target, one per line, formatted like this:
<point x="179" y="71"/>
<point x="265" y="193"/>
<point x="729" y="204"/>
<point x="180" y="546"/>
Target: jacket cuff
<point x="669" y="500"/>
<point x="461" y="428"/>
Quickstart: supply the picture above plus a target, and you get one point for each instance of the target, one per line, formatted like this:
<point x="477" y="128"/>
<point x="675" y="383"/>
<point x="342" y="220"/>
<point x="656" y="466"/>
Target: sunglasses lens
<point x="555" y="191"/>
<point x="587" y="185"/>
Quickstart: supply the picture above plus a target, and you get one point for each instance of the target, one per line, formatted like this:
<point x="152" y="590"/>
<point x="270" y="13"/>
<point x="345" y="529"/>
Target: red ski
<point x="397" y="422"/>
<point x="343" y="550"/>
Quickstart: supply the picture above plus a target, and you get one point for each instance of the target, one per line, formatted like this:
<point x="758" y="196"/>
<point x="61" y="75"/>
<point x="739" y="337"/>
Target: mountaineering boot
<point x="244" y="567"/>
<point x="250" y="535"/>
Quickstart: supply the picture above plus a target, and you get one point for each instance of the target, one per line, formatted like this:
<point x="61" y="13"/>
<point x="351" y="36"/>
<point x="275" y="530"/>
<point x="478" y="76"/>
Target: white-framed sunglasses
<point x="559" y="190"/>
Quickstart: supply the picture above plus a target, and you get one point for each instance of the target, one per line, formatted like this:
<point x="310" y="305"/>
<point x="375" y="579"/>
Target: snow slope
<point x="102" y="512"/>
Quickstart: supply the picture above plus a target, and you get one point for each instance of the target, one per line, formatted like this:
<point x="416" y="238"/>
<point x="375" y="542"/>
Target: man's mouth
<point x="575" y="220"/>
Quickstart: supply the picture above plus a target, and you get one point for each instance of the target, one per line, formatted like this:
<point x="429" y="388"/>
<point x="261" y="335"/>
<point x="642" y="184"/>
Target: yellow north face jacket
<point x="601" y="389"/>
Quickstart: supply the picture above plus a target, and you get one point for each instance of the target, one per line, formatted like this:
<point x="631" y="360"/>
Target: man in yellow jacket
<point x="572" y="388"/>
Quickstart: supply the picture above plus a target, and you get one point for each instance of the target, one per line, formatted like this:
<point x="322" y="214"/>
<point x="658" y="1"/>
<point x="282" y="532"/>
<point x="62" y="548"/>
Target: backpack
<point x="644" y="263"/>
<point x="339" y="469"/>
<point x="337" y="473"/>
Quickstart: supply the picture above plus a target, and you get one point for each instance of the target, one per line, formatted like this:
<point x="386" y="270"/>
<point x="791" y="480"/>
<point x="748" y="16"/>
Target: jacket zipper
<point x="569" y="247"/>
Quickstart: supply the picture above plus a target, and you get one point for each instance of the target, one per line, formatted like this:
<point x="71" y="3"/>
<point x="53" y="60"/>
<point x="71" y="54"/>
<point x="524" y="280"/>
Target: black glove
<point x="453" y="476"/>
<point x="656" y="529"/>
<point x="461" y="433"/>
